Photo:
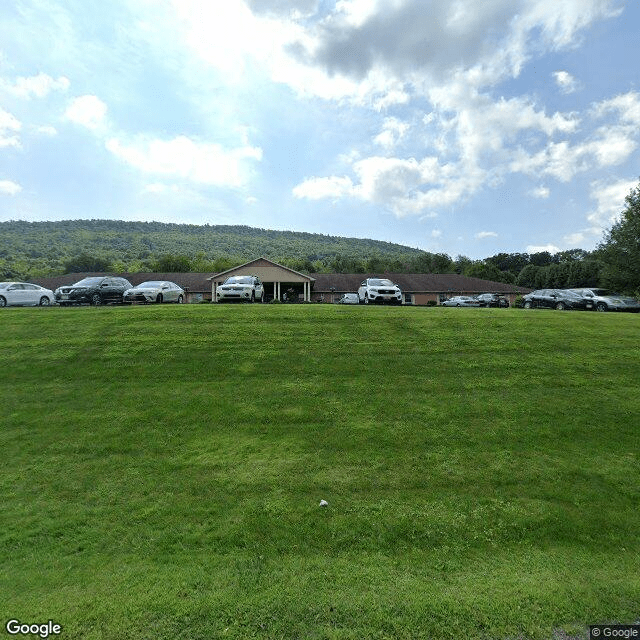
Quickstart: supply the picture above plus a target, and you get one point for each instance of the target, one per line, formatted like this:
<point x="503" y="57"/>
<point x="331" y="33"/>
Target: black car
<point x="95" y="290"/>
<point x="559" y="299"/>
<point x="492" y="300"/>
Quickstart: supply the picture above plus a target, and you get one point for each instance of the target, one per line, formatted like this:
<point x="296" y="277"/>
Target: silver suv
<point x="607" y="301"/>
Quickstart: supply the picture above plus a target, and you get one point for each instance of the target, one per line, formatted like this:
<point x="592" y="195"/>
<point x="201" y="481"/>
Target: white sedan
<point x="23" y="294"/>
<point x="155" y="291"/>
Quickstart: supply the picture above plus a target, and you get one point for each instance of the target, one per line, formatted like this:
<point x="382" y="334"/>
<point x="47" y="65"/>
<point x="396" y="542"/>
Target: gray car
<point x="461" y="301"/>
<point x="155" y="291"/>
<point x="605" y="300"/>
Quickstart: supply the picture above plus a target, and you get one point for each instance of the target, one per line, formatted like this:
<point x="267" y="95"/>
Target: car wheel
<point x="44" y="301"/>
<point x="601" y="306"/>
<point x="253" y="297"/>
<point x="3" y="301"/>
<point x="560" y="306"/>
<point x="180" y="299"/>
<point x="96" y="300"/>
<point x="159" y="298"/>
<point x="528" y="305"/>
<point x="366" y="299"/>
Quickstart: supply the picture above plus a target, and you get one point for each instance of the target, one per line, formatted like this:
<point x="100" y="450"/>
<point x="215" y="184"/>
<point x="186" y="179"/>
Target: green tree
<point x="512" y="262"/>
<point x="484" y="270"/>
<point x="620" y="248"/>
<point x="527" y="277"/>
<point x="169" y="263"/>
<point x="86" y="262"/>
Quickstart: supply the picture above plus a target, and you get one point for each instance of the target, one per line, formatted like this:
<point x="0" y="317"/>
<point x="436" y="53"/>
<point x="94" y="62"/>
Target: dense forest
<point x="33" y="249"/>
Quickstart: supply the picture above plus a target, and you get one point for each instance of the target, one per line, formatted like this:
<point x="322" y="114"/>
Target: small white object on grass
<point x="324" y="503"/>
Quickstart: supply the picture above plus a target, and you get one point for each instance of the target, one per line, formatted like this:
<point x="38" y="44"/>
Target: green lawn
<point x="163" y="468"/>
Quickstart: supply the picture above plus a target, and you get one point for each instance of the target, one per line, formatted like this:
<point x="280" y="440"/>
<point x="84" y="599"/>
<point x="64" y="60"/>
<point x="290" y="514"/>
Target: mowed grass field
<point x="163" y="469"/>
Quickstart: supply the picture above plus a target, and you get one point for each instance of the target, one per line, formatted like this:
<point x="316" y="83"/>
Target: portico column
<point x="214" y="287"/>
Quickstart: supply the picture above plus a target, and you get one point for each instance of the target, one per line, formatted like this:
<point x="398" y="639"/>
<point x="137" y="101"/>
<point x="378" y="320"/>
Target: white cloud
<point x="610" y="202"/>
<point x="393" y="131"/>
<point x="46" y="130"/>
<point x="320" y="188"/>
<point x="486" y="234"/>
<point x="626" y="105"/>
<point x="184" y="158"/>
<point x="551" y="248"/>
<point x="36" y="86"/>
<point x="88" y="111"/>
<point x="576" y="239"/>
<point x="9" y="128"/>
<point x="405" y="186"/>
<point x="540" y="192"/>
<point x="566" y="82"/>
<point x="10" y="188"/>
<point x="490" y="40"/>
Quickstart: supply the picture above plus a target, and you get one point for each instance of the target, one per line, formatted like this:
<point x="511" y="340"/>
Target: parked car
<point x="242" y="288"/>
<point x="95" y="290"/>
<point x="492" y="300"/>
<point x="349" y="298"/>
<point x="23" y="294"/>
<point x="379" y="290"/>
<point x="559" y="299"/>
<point x="155" y="291"/>
<point x="461" y="301"/>
<point x="605" y="300"/>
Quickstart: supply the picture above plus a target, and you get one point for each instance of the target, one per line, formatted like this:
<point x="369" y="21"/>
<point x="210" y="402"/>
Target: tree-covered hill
<point x="48" y="248"/>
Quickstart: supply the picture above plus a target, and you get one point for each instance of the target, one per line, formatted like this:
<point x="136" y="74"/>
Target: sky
<point x="456" y="126"/>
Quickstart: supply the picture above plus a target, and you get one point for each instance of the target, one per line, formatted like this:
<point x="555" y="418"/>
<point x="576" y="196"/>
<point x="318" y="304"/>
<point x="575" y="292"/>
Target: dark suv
<point x="556" y="299"/>
<point x="492" y="300"/>
<point x="95" y="290"/>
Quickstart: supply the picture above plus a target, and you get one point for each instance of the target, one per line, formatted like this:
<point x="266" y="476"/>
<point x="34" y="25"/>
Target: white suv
<point x="244" y="288"/>
<point x="379" y="290"/>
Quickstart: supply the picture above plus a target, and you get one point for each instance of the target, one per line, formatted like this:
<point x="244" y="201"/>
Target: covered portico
<point x="276" y="278"/>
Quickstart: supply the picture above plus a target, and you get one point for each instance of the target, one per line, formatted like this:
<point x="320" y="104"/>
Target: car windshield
<point x="4" y="285"/>
<point x="152" y="284"/>
<point x="376" y="282"/>
<point x="239" y="280"/>
<point x="88" y="282"/>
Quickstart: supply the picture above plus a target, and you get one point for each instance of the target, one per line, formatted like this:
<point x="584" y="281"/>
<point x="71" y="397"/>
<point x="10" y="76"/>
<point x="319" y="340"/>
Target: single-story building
<point x="278" y="280"/>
